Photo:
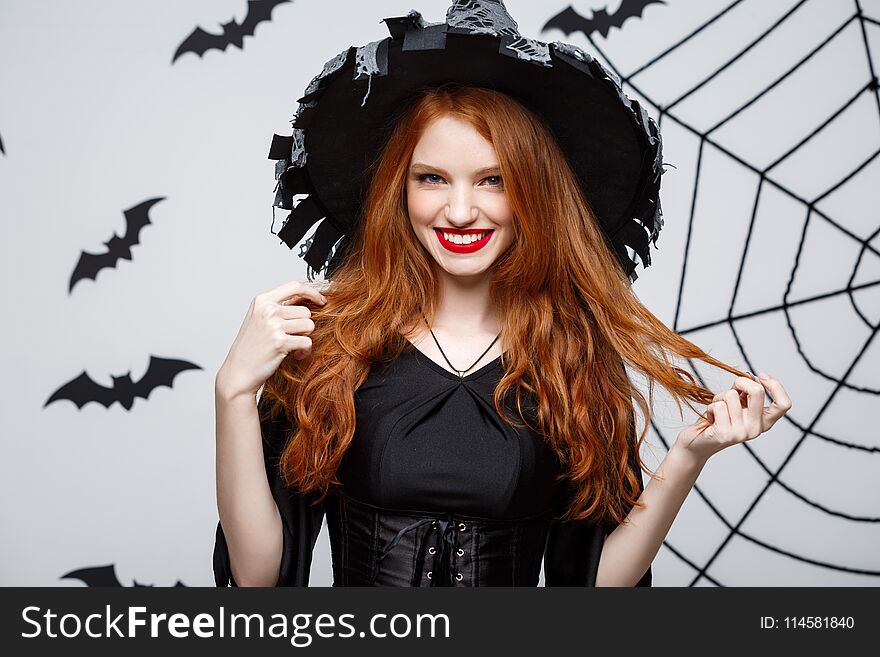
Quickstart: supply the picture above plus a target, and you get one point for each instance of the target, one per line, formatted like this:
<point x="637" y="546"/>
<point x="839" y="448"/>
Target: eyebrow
<point x="421" y="165"/>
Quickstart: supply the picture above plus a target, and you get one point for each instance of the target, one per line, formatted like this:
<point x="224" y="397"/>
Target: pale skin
<point x="273" y="327"/>
<point x="453" y="182"/>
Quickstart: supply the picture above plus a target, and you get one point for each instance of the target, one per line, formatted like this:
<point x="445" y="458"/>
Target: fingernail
<point x="323" y="298"/>
<point x="763" y="375"/>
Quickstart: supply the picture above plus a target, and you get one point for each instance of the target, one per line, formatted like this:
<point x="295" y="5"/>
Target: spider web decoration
<point x="818" y="285"/>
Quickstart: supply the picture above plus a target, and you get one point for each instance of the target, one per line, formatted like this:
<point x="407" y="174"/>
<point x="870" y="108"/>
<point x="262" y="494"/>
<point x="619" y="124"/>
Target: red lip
<point x="464" y="248"/>
<point x="467" y="231"/>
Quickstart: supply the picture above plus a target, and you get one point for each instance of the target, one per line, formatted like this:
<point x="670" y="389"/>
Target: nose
<point x="460" y="209"/>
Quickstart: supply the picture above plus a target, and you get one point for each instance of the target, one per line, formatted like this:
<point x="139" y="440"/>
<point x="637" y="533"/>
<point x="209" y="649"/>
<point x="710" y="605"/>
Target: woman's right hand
<point x="273" y="327"/>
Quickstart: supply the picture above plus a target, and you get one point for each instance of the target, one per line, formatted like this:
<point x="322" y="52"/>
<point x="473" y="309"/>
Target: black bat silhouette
<point x="160" y="372"/>
<point x="103" y="576"/>
<point x="199" y="41"/>
<point x="90" y="264"/>
<point x="568" y="20"/>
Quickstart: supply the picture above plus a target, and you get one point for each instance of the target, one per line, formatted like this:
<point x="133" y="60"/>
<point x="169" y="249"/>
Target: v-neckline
<point x="421" y="356"/>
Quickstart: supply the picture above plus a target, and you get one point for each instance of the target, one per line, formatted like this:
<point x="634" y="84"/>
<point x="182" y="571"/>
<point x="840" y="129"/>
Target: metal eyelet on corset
<point x="461" y="527"/>
<point x="459" y="576"/>
<point x="460" y="552"/>
<point x="429" y="574"/>
<point x="431" y="550"/>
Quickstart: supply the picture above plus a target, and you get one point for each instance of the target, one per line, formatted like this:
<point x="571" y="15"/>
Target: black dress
<point x="436" y="491"/>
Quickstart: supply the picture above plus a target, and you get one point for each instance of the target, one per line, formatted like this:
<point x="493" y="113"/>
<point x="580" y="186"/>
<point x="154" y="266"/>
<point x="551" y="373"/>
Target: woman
<point x="480" y="244"/>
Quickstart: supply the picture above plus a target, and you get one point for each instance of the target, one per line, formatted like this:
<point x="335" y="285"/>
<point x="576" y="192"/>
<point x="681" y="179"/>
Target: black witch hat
<point x="348" y="110"/>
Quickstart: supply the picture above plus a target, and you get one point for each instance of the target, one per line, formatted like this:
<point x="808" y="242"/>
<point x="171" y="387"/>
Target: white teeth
<point x="464" y="239"/>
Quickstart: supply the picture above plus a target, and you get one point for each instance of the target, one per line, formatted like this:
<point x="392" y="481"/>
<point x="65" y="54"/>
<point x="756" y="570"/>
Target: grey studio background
<point x="768" y="260"/>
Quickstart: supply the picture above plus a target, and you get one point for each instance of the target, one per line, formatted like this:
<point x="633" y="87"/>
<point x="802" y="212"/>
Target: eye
<point x="494" y="181"/>
<point x="430" y="178"/>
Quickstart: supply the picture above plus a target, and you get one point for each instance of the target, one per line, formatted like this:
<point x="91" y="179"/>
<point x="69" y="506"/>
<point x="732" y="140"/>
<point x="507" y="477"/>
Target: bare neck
<point x="464" y="323"/>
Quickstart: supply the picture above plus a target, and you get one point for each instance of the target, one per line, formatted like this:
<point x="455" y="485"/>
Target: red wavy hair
<point x="569" y="318"/>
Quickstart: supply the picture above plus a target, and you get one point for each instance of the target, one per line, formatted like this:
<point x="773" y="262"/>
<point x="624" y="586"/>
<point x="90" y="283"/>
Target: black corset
<point x="375" y="546"/>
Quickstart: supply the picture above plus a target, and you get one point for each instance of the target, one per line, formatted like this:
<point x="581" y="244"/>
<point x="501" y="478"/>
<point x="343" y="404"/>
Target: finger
<point x="754" y="392"/>
<point x="734" y="410"/>
<point x="710" y="416"/>
<point x="299" y="325"/>
<point x="300" y="344"/>
<point x="722" y="418"/>
<point x="755" y="417"/>
<point x="292" y="291"/>
<point x="780" y="401"/>
<point x="295" y="312"/>
<point x="720" y="396"/>
<point x="780" y="398"/>
<point x="758" y="380"/>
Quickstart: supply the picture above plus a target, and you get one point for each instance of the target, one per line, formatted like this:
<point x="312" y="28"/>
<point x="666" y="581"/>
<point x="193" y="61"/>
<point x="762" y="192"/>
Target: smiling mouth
<point x="468" y="244"/>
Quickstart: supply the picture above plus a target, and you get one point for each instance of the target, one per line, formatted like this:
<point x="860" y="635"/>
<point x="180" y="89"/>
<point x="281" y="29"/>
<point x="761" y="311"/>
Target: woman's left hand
<point x="736" y="415"/>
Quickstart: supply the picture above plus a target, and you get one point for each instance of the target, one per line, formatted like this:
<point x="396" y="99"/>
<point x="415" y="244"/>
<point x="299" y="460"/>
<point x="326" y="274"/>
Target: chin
<point x="466" y="272"/>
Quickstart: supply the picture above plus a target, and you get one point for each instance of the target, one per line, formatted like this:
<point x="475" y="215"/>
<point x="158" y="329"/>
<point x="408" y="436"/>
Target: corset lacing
<point x="445" y="546"/>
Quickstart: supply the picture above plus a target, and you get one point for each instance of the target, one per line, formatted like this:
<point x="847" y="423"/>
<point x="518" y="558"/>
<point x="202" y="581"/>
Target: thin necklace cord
<point x="460" y="372"/>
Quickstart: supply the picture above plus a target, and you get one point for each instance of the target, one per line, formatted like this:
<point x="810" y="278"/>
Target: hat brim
<point x="611" y="144"/>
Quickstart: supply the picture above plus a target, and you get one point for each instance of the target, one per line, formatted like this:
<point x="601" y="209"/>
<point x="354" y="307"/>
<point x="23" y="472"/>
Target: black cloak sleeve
<point x="571" y="557"/>
<point x="301" y="521"/>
